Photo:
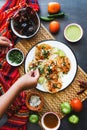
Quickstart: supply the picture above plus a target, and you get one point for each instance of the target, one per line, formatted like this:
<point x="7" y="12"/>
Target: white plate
<point x="67" y="78"/>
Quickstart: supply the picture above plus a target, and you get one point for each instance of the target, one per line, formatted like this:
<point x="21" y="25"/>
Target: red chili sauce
<point x="50" y="120"/>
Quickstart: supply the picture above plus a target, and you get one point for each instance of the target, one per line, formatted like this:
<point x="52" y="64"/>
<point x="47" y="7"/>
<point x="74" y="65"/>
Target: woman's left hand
<point x="5" y="44"/>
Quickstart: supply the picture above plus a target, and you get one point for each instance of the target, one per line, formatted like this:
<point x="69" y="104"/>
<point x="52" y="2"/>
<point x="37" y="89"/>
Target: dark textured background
<point x="76" y="11"/>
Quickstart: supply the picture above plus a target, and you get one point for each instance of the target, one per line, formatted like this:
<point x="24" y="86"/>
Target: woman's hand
<point x="5" y="44"/>
<point x="29" y="80"/>
<point x="4" y="41"/>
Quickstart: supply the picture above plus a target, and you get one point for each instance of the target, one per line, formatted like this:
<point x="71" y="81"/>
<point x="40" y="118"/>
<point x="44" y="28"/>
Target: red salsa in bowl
<point x="50" y="121"/>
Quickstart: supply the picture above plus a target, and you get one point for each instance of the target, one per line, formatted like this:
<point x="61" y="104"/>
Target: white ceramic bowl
<point x="25" y="23"/>
<point x="73" y="32"/>
<point x="51" y="117"/>
<point x="19" y="58"/>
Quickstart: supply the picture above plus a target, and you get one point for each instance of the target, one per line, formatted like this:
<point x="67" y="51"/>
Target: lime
<point x="65" y="108"/>
<point x="33" y="118"/>
<point x="74" y="119"/>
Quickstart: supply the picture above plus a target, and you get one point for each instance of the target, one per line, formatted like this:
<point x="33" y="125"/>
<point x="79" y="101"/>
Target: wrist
<point x="20" y="84"/>
<point x="17" y="86"/>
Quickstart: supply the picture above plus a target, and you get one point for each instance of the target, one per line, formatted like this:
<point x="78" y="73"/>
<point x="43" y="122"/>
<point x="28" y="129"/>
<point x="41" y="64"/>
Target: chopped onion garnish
<point x="34" y="101"/>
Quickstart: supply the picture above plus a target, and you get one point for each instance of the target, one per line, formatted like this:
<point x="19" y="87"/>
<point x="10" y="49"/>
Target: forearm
<point x="27" y="81"/>
<point x="8" y="97"/>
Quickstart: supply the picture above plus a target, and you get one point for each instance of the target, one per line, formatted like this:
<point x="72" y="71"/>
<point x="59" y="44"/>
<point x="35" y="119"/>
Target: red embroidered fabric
<point x="18" y="111"/>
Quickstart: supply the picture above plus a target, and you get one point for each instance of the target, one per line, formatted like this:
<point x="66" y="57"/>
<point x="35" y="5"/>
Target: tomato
<point x="54" y="26"/>
<point x="53" y="7"/>
<point x="76" y="104"/>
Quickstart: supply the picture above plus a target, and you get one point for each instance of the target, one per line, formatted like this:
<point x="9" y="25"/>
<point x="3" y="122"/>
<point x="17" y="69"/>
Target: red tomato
<point x="53" y="7"/>
<point x="76" y="104"/>
<point x="54" y="26"/>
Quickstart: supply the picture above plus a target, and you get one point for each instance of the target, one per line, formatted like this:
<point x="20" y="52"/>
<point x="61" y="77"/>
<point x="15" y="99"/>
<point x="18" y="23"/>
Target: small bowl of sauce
<point x="73" y="32"/>
<point x="50" y="121"/>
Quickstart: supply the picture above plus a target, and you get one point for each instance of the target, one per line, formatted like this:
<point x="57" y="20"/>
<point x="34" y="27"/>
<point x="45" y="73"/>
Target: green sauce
<point x="73" y="33"/>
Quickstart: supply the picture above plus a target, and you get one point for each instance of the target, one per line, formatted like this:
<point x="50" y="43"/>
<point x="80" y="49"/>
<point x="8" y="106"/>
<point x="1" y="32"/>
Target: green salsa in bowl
<point x="15" y="57"/>
<point x="73" y="32"/>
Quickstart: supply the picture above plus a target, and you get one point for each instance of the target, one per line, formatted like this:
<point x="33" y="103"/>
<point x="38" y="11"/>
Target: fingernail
<point x="10" y="44"/>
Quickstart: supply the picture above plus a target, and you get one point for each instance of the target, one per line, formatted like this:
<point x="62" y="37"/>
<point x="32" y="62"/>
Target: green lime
<point x="65" y="108"/>
<point x="73" y="119"/>
<point x="33" y="118"/>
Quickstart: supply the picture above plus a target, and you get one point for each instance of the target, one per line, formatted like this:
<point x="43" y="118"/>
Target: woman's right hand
<point x="29" y="80"/>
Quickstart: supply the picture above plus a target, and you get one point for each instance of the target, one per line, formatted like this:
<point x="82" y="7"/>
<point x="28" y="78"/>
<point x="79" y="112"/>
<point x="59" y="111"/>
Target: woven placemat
<point x="52" y="101"/>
